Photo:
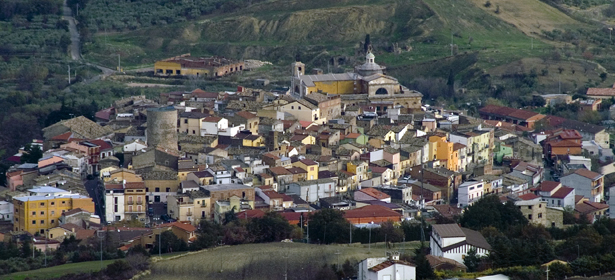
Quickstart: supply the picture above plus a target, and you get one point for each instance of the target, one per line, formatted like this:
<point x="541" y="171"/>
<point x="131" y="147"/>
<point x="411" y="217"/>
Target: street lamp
<point x="101" y="236"/>
<point x="46" y="242"/>
<point x="370" y="235"/>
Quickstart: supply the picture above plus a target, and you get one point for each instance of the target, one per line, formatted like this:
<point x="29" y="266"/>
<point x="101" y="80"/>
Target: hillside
<point x="264" y="261"/>
<point x="277" y="30"/>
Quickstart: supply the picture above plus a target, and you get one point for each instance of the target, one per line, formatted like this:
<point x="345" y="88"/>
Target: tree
<point x="329" y="226"/>
<point x="471" y="261"/>
<point x="26" y="250"/>
<point x="603" y="76"/>
<point x="390" y="232"/>
<point x="423" y="268"/>
<point x="32" y="153"/>
<point x="208" y="235"/>
<point x="559" y="271"/>
<point x="367" y="45"/>
<point x="169" y="242"/>
<point x="271" y="227"/>
<point x="489" y="211"/>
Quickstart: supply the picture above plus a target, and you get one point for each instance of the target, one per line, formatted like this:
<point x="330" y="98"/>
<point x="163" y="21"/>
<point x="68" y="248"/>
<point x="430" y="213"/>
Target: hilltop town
<point x="358" y="143"/>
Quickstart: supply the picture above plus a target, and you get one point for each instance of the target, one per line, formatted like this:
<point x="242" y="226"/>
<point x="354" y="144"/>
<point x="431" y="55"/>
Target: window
<point x="33" y="213"/>
<point x="193" y="132"/>
<point x="299" y="107"/>
<point x="42" y="213"/>
<point x="311" y="168"/>
<point x="63" y="202"/>
<point x="53" y="213"/>
<point x="529" y="207"/>
<point x="157" y="189"/>
<point x="42" y="203"/>
<point x="53" y="203"/>
<point x="53" y="221"/>
<point x="292" y="107"/>
<point x="185" y="120"/>
<point x="42" y="222"/>
<point x="529" y="217"/>
<point x="168" y="189"/>
<point x="34" y="222"/>
<point x="539" y="215"/>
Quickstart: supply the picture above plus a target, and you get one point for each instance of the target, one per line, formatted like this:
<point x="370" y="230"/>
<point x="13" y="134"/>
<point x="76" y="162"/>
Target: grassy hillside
<point x="57" y="271"/>
<point x="277" y="30"/>
<point x="264" y="261"/>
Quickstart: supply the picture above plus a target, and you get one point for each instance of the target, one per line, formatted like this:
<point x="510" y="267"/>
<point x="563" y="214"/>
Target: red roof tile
<point x="528" y="196"/>
<point x="371" y="211"/>
<point x="547" y="186"/>
<point x="601" y="91"/>
<point x="353" y="135"/>
<point x="246" y="115"/>
<point x="587" y="174"/>
<point x="562" y="192"/>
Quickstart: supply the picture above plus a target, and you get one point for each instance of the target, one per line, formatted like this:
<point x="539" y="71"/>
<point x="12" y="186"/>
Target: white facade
<point x="469" y="192"/>
<point x="453" y="243"/>
<point x="312" y="191"/>
<point x="6" y="211"/>
<point x="612" y="202"/>
<point x="114" y="206"/>
<point x="134" y="146"/>
<point x="394" y="271"/>
<point x="213" y="128"/>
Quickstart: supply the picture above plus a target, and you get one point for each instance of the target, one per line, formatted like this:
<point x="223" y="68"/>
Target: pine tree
<point x="423" y="268"/>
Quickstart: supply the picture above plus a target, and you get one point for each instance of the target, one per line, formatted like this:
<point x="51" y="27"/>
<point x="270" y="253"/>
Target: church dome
<point x="369" y="67"/>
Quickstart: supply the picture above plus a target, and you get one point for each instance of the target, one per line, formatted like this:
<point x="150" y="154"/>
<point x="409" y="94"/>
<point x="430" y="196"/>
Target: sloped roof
<point x="562" y="192"/>
<point x="587" y="174"/>
<point x="528" y="196"/>
<point x="601" y="91"/>
<point x="375" y="193"/>
<point x="246" y="115"/>
<point x="448" y="230"/>
<point x="547" y="186"/>
<point x="370" y="211"/>
<point x="82" y="126"/>
<point x="389" y="263"/>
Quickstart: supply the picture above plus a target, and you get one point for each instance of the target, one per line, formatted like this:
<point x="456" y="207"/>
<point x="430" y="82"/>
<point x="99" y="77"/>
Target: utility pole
<point x="547" y="272"/>
<point x="338" y="259"/>
<point x="451" y="42"/>
<point x="119" y="65"/>
<point x="160" y="243"/>
<point x="69" y="74"/>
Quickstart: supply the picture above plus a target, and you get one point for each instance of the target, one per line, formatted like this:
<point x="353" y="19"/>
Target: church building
<point x="367" y="85"/>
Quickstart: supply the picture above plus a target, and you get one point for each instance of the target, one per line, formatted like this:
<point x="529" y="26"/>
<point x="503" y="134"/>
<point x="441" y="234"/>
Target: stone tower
<point x="162" y="127"/>
<point x="298" y="68"/>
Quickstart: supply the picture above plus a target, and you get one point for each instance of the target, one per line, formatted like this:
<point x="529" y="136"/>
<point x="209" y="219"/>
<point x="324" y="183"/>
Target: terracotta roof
<point x="375" y="193"/>
<point x="353" y="135"/>
<point x="547" y="186"/>
<point x="447" y="210"/>
<point x="601" y="91"/>
<point x="246" y="115"/>
<point x="102" y="144"/>
<point x="388" y="263"/>
<point x="279" y="170"/>
<point x="588" y="207"/>
<point x="252" y="213"/>
<point x="562" y="192"/>
<point x="212" y="119"/>
<point x="440" y="262"/>
<point x="203" y="174"/>
<point x="71" y="227"/>
<point x="296" y="170"/>
<point x="184" y="227"/>
<point x="563" y="143"/>
<point x="270" y="155"/>
<point x="587" y="174"/>
<point x="63" y="136"/>
<point x="84" y="234"/>
<point x="578" y="198"/>
<point x="528" y="196"/>
<point x="298" y="138"/>
<point x="371" y="211"/>
<point x="135" y="185"/>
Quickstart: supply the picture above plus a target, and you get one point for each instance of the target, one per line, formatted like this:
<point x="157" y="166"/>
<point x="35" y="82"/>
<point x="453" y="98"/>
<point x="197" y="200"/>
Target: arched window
<point x="297" y="89"/>
<point x="382" y="91"/>
<point x="292" y="107"/>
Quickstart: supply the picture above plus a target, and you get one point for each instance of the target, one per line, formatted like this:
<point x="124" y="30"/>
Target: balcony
<point x="189" y="214"/>
<point x="130" y="202"/>
<point x="139" y="202"/>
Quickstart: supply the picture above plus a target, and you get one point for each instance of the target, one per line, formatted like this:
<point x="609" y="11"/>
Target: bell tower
<point x="298" y="68"/>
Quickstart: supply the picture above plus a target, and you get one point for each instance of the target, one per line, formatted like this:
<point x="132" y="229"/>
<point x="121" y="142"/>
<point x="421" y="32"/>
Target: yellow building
<point x="42" y="209"/>
<point x="310" y="166"/>
<point x="254" y="141"/>
<point x="191" y="122"/>
<point x="120" y="175"/>
<point x="185" y="65"/>
<point x="302" y="110"/>
<point x="444" y="152"/>
<point x="304" y="139"/>
<point x="359" y="168"/>
<point x="189" y="207"/>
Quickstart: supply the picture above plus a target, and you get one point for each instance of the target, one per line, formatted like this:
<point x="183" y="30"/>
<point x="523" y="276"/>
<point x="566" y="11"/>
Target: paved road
<point x="94" y="189"/>
<point x="75" y="46"/>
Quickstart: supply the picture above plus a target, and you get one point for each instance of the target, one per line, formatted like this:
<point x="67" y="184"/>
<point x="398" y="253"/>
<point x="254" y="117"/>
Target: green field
<point x="266" y="261"/>
<point x="57" y="271"/>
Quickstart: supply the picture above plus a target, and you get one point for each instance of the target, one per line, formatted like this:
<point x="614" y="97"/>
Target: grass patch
<point x="266" y="261"/>
<point x="57" y="271"/>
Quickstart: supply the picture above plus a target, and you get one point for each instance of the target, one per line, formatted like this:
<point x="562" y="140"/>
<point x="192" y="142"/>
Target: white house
<point x="555" y="194"/>
<point x="213" y="125"/>
<point x="221" y="174"/>
<point x="453" y="242"/>
<point x="469" y="192"/>
<point x="134" y="146"/>
<point x="6" y="211"/>
<point x="313" y="190"/>
<point x="586" y="183"/>
<point x="390" y="268"/>
<point x="114" y="204"/>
